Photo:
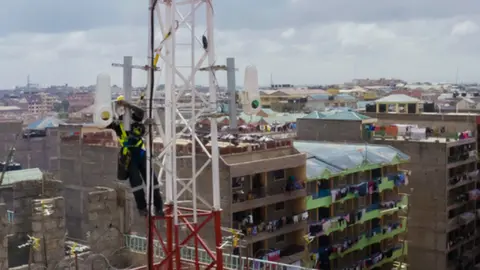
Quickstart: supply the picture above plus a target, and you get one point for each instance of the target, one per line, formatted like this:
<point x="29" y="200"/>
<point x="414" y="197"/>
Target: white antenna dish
<point x="103" y="113"/>
<point x="250" y="96"/>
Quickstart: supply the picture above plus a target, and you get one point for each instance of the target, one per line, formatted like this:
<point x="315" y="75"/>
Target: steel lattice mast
<point x="174" y="16"/>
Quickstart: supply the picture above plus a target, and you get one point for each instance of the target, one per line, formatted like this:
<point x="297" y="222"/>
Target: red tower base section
<point x="171" y="243"/>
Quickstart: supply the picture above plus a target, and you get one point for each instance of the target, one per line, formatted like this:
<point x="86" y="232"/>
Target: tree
<point x="65" y="105"/>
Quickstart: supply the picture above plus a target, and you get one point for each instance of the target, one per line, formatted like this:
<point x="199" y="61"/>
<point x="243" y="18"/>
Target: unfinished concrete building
<point x="36" y="235"/>
<point x="37" y="152"/>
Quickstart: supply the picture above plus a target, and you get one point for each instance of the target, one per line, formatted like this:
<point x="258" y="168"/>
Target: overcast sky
<point x="295" y="41"/>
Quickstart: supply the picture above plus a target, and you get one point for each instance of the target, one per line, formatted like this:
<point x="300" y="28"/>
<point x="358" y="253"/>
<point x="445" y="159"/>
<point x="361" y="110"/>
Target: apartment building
<point x="263" y="195"/>
<point x="354" y="205"/>
<point x="443" y="217"/>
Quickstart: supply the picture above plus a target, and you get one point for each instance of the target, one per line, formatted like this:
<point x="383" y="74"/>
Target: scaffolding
<point x="183" y="203"/>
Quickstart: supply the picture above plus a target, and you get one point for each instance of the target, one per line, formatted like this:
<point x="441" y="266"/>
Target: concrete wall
<point x="3" y="237"/>
<point x="83" y="167"/>
<point x="48" y="225"/>
<point x="452" y="123"/>
<point x="105" y="213"/>
<point x="104" y="234"/>
<point x="329" y="130"/>
<point x="428" y="199"/>
<point x="31" y="153"/>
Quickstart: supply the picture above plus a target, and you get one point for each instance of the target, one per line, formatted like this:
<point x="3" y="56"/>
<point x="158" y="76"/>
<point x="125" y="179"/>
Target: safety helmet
<point x="120" y="98"/>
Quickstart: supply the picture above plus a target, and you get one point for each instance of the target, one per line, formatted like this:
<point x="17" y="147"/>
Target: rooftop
<point x="398" y="98"/>
<point x="336" y="115"/>
<point x="12" y="177"/>
<point x="325" y="160"/>
<point x="426" y="140"/>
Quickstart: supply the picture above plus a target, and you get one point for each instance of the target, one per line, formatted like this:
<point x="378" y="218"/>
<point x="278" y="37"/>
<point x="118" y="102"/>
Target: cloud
<point x="301" y="42"/>
<point x="289" y="33"/>
<point x="464" y="28"/>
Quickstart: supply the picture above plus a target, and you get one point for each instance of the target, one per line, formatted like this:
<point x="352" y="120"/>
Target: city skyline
<point x="296" y="41"/>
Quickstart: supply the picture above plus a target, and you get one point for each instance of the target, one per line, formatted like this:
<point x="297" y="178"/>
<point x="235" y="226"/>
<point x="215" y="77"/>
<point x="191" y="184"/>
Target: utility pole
<point x="128" y="68"/>
<point x="232" y="90"/>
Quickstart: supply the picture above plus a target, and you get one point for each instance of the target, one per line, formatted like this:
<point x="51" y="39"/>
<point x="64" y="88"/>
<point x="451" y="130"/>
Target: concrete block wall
<point x="329" y="130"/>
<point x="31" y="153"/>
<point x="81" y="168"/>
<point x="24" y="193"/>
<point x="48" y="225"/>
<point x="3" y="237"/>
<point x="104" y="235"/>
<point x="452" y="123"/>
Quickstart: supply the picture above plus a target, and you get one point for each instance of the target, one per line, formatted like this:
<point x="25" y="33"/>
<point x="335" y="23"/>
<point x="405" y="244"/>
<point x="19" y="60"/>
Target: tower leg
<point x="218" y="239"/>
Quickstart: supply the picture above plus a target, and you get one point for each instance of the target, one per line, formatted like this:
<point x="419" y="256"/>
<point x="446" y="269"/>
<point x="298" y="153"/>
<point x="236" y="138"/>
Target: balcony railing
<point x="339" y="223"/>
<point x="461" y="156"/>
<point x="262" y="196"/>
<point x="139" y="244"/>
<point x="374" y="236"/>
<point x="461" y="179"/>
<point x="324" y="198"/>
<point x="264" y="230"/>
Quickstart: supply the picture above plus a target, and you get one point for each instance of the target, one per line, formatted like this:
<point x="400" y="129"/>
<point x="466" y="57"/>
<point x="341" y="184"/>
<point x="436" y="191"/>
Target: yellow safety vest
<point x="124" y="138"/>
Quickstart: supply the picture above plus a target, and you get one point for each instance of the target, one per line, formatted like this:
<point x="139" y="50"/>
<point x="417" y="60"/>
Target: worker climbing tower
<point x="178" y="58"/>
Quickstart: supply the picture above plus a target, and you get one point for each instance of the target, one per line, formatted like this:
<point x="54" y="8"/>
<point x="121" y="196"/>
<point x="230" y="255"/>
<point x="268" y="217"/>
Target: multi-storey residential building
<point x="443" y="218"/>
<point x="263" y="195"/>
<point x="286" y="95"/>
<point x="354" y="204"/>
<point x="80" y="100"/>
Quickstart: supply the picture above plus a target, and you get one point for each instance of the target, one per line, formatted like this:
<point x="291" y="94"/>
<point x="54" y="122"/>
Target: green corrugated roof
<point x="325" y="160"/>
<point x="12" y="177"/>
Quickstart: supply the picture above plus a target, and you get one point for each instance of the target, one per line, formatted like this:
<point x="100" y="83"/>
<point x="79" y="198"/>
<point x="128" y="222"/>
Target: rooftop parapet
<point x="416" y="133"/>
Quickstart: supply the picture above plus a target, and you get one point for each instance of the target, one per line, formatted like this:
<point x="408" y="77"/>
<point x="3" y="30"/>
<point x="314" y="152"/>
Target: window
<point x="280" y="238"/>
<point x="279" y="175"/>
<point x="279" y="206"/>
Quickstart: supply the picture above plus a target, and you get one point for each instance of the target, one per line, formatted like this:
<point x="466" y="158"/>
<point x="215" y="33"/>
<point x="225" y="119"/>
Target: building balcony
<point x="291" y="254"/>
<point x="373" y="237"/>
<point x="324" y="199"/>
<point x="261" y="197"/>
<point x="266" y="230"/>
<point x="372" y="212"/>
<point x="461" y="239"/>
<point x="288" y="228"/>
<point x="389" y="255"/>
<point x="462" y="179"/>
<point x="460" y="220"/>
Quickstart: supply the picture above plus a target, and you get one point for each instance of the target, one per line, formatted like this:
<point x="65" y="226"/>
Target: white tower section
<point x="182" y="52"/>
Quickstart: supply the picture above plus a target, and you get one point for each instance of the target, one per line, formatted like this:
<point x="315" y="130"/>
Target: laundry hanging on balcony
<point x="474" y="195"/>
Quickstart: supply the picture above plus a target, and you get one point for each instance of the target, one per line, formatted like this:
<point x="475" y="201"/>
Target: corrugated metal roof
<point x="337" y="115"/>
<point x="48" y="122"/>
<point x="12" y="177"/>
<point x="399" y="98"/>
<point x="336" y="158"/>
<point x="345" y="97"/>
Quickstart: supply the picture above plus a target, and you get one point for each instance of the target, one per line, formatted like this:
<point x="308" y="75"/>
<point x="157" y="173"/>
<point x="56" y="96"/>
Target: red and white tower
<point x="180" y="54"/>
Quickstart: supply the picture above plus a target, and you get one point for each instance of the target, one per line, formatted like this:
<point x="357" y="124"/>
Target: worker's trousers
<point x="137" y="177"/>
